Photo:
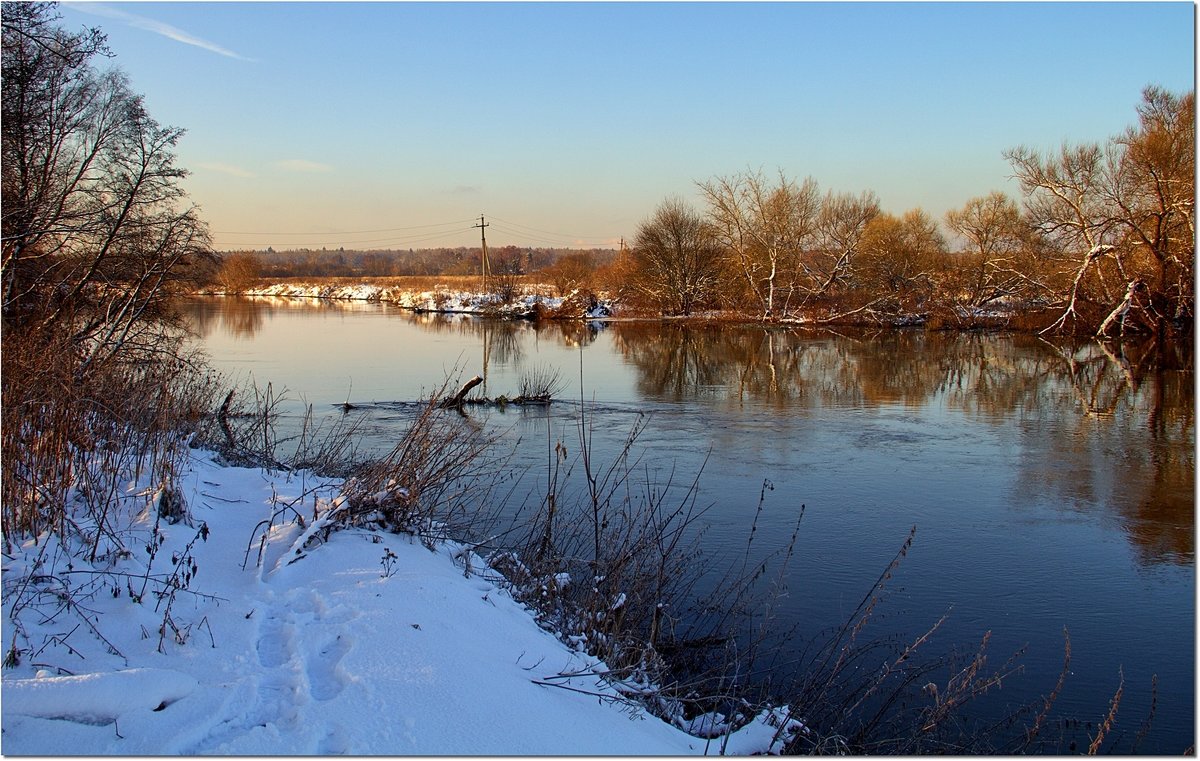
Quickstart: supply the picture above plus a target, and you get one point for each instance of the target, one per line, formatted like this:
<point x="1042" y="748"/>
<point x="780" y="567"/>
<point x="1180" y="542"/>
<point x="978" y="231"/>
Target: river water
<point x="1052" y="486"/>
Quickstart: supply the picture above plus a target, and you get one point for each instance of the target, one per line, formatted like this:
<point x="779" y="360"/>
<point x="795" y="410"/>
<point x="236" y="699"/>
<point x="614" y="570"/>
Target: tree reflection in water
<point x="1132" y="400"/>
<point x="1119" y="417"/>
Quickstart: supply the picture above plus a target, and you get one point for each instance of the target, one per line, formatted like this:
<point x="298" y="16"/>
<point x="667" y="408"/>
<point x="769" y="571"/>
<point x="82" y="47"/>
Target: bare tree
<point x="1153" y="192"/>
<point x="994" y="264"/>
<point x="676" y="260"/>
<point x="1124" y="215"/>
<point x="239" y="271"/>
<point x="765" y="229"/>
<point x="96" y="236"/>
<point x="571" y="272"/>
<point x="96" y="229"/>
<point x="900" y="258"/>
<point x="1065" y="203"/>
<point x="840" y="227"/>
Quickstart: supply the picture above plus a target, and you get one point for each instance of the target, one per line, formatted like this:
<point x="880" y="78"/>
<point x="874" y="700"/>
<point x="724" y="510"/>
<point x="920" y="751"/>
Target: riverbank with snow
<point x="443" y="300"/>
<point x="262" y="643"/>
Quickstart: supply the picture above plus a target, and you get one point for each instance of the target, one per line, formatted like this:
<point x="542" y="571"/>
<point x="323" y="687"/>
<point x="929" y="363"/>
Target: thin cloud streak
<point x="303" y="165"/>
<point x="157" y="27"/>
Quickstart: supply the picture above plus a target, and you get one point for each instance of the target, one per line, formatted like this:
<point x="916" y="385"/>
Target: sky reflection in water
<point x="1051" y="485"/>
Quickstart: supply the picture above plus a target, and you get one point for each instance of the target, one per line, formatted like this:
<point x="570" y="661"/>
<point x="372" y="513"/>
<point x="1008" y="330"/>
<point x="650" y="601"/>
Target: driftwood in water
<point x="535" y="392"/>
<point x="457" y="399"/>
<point x="502" y="400"/>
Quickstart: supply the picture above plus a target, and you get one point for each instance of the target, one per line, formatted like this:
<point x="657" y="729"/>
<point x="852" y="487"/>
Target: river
<point x="1051" y="485"/>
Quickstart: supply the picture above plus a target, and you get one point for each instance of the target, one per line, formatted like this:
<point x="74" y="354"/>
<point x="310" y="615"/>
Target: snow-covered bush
<point x="427" y="484"/>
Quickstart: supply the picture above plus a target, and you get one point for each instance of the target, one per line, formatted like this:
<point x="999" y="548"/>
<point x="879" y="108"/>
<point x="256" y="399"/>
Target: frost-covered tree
<point x="765" y="227"/>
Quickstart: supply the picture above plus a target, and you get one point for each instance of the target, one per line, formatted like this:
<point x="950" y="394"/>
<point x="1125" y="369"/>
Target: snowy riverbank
<point x="366" y="644"/>
<point x="443" y="300"/>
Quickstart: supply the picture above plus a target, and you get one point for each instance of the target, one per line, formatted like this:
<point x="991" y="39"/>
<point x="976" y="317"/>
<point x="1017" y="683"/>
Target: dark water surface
<point x="1052" y="486"/>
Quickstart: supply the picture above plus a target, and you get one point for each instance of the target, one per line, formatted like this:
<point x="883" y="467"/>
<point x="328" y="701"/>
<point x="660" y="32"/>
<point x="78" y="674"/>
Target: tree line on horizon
<point x="1102" y="241"/>
<point x="443" y="260"/>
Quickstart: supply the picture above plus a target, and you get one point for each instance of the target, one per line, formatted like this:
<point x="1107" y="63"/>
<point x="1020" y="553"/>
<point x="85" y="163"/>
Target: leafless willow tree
<point x="1122" y="214"/>
<point x="996" y="262"/>
<point x="766" y="229"/>
<point x="96" y="229"/>
<point x="676" y="261"/>
<point x="900" y="259"/>
<point x="840" y="226"/>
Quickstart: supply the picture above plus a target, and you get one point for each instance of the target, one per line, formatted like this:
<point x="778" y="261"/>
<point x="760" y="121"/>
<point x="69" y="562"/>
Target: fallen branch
<point x="843" y="315"/>
<point x="456" y="401"/>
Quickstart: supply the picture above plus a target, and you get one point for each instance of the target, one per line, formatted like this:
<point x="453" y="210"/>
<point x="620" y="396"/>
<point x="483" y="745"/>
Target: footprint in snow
<point x="326" y="679"/>
<point x="274" y="645"/>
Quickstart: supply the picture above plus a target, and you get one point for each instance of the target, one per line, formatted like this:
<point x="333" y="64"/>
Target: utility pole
<point x="483" y="257"/>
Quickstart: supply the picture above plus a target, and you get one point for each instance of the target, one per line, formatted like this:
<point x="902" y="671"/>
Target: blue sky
<point x="397" y="124"/>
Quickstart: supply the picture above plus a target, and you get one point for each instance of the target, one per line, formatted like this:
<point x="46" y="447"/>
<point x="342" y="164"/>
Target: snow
<point x="441" y="300"/>
<point x="98" y="698"/>
<point x="366" y="644"/>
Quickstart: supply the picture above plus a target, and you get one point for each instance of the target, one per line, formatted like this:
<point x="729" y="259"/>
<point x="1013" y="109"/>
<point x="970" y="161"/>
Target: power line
<point x="389" y="241"/>
<point x="529" y="234"/>
<point x="537" y="230"/>
<point x="560" y="241"/>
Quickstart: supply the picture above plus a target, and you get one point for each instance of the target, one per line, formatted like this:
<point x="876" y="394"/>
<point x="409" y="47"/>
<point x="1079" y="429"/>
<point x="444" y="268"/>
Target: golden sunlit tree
<point x="675" y="261"/>
<point x="239" y="271"/>
<point x="900" y="260"/>
<point x="840" y="226"/>
<point x="764" y="228"/>
<point x="1122" y="217"/>
<point x="995" y="262"/>
<point x="571" y="272"/>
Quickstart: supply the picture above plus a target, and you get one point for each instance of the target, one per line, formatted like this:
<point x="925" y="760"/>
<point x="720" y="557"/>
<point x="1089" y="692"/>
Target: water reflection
<point x="1052" y="482"/>
<point x="238" y="317"/>
<point x="243" y="317"/>
<point x="1098" y="424"/>
<point x="1095" y="405"/>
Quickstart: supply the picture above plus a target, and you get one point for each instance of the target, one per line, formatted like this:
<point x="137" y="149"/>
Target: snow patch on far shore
<point x="439" y="300"/>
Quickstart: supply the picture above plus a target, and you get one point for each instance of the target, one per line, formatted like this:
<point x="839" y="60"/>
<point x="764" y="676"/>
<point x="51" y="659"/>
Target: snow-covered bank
<point x="442" y="300"/>
<point x="366" y="644"/>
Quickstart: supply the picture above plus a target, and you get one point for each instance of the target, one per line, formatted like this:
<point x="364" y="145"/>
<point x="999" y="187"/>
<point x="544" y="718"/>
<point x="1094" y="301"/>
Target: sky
<point x="397" y="124"/>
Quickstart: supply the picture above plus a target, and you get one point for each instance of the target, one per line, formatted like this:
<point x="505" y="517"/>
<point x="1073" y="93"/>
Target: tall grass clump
<point x="248" y="429"/>
<point x="432" y="481"/>
<point x="610" y="561"/>
<point x="436" y="483"/>
<point x="74" y="438"/>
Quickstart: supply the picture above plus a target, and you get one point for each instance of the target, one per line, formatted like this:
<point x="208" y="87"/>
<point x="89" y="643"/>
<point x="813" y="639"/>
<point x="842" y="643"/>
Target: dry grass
<point x="73" y="438"/>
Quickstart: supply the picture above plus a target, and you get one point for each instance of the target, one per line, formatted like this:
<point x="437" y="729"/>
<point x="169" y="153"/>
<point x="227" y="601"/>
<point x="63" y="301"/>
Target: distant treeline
<point x="343" y="262"/>
<point x="1101" y="241"/>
